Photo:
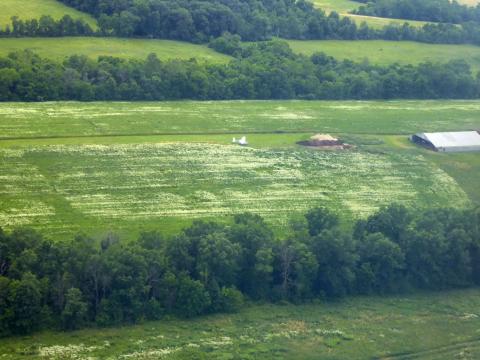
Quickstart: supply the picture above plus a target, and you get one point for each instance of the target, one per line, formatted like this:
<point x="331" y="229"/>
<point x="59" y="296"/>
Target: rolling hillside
<point x="36" y="8"/>
<point x="388" y="52"/>
<point x="59" y="48"/>
<point x="343" y="7"/>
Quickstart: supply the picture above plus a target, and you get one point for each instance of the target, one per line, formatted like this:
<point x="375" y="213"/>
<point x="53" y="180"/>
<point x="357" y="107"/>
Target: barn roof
<point x="452" y="139"/>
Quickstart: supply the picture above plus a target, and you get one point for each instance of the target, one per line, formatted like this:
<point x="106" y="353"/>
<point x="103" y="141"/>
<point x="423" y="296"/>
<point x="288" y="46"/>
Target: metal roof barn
<point x="449" y="141"/>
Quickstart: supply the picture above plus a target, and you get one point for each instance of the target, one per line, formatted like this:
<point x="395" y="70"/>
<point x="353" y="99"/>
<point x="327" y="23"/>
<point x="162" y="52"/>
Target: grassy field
<point x="469" y="2"/>
<point x="67" y="188"/>
<point x="388" y="52"/>
<point x="72" y="179"/>
<point x="344" y="7"/>
<point x="340" y="6"/>
<point x="34" y="9"/>
<point x="33" y="120"/>
<point x="60" y="48"/>
<point x="423" y="326"/>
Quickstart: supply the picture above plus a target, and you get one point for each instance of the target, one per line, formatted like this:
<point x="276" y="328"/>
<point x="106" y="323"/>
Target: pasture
<point x="34" y="9"/>
<point x="382" y="52"/>
<point x="469" y="2"/>
<point x="74" y="119"/>
<point x="426" y="325"/>
<point x="99" y="167"/>
<point x="344" y="7"/>
<point x="93" y="47"/>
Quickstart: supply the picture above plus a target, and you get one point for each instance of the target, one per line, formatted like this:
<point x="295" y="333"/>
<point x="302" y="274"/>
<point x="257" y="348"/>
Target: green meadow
<point x="34" y="9"/>
<point x="344" y="7"/>
<point x="129" y="167"/>
<point x="340" y="6"/>
<point x="73" y="119"/>
<point x="469" y="2"/>
<point x="389" y="52"/>
<point x="421" y="326"/>
<point x="93" y="47"/>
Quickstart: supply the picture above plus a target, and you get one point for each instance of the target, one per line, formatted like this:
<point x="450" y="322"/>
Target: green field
<point x="97" y="167"/>
<point x="388" y="52"/>
<point x="340" y="6"/>
<point x="343" y="7"/>
<point x="424" y="326"/>
<point x="72" y="119"/>
<point x="93" y="47"/>
<point x="469" y="2"/>
<point x="34" y="9"/>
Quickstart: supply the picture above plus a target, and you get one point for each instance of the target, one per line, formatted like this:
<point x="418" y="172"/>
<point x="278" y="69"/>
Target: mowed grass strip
<point x="34" y="9"/>
<point x="388" y="52"/>
<point x="73" y="119"/>
<point x="355" y="328"/>
<point x="93" y="47"/>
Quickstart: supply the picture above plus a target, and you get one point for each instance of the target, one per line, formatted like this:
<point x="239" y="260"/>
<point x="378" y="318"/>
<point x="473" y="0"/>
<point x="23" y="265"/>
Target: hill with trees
<point x="444" y="11"/>
<point x="268" y="70"/>
<point x="34" y="9"/>
<point x="60" y="48"/>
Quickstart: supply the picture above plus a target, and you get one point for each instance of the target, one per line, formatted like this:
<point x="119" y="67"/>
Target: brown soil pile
<point x="326" y="142"/>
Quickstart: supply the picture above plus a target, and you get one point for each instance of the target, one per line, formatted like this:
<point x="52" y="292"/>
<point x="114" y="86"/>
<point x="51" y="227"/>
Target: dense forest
<point x="445" y="11"/>
<point x="266" y="70"/>
<point x="201" y="21"/>
<point x="214" y="267"/>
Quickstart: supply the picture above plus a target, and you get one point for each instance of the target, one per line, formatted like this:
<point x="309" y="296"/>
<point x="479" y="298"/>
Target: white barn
<point x="449" y="141"/>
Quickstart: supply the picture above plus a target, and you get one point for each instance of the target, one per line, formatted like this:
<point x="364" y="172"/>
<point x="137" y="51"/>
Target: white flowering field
<point x="65" y="188"/>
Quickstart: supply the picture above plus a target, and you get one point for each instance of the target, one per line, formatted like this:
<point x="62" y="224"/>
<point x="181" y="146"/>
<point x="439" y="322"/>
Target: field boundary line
<point x="278" y="132"/>
<point x="472" y="343"/>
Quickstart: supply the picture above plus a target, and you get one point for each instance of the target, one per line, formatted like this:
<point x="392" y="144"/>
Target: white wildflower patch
<point x="469" y="316"/>
<point x="66" y="352"/>
<point x="218" y="342"/>
<point x="150" y="354"/>
<point x="329" y="332"/>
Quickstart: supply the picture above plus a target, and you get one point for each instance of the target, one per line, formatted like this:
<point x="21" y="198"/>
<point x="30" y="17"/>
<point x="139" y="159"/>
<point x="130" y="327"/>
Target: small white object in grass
<point x="243" y="141"/>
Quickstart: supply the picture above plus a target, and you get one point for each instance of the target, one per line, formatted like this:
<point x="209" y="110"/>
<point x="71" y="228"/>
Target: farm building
<point x="449" y="141"/>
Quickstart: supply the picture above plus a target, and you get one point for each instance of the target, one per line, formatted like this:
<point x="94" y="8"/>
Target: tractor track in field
<point x="206" y="133"/>
<point x="441" y="352"/>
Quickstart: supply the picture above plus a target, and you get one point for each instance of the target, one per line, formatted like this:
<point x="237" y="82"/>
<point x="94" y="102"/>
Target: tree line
<point x="47" y="26"/>
<point x="266" y="70"/>
<point x="200" y="21"/>
<point x="445" y="11"/>
<point x="215" y="267"/>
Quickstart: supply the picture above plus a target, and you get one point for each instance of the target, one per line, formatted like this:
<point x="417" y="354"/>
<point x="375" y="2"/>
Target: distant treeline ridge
<point x="445" y="11"/>
<point x="214" y="267"/>
<point x="265" y="70"/>
<point x="202" y="21"/>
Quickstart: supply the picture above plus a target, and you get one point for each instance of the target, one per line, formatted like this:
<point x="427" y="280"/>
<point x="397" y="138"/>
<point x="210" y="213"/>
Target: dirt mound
<point x="325" y="141"/>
